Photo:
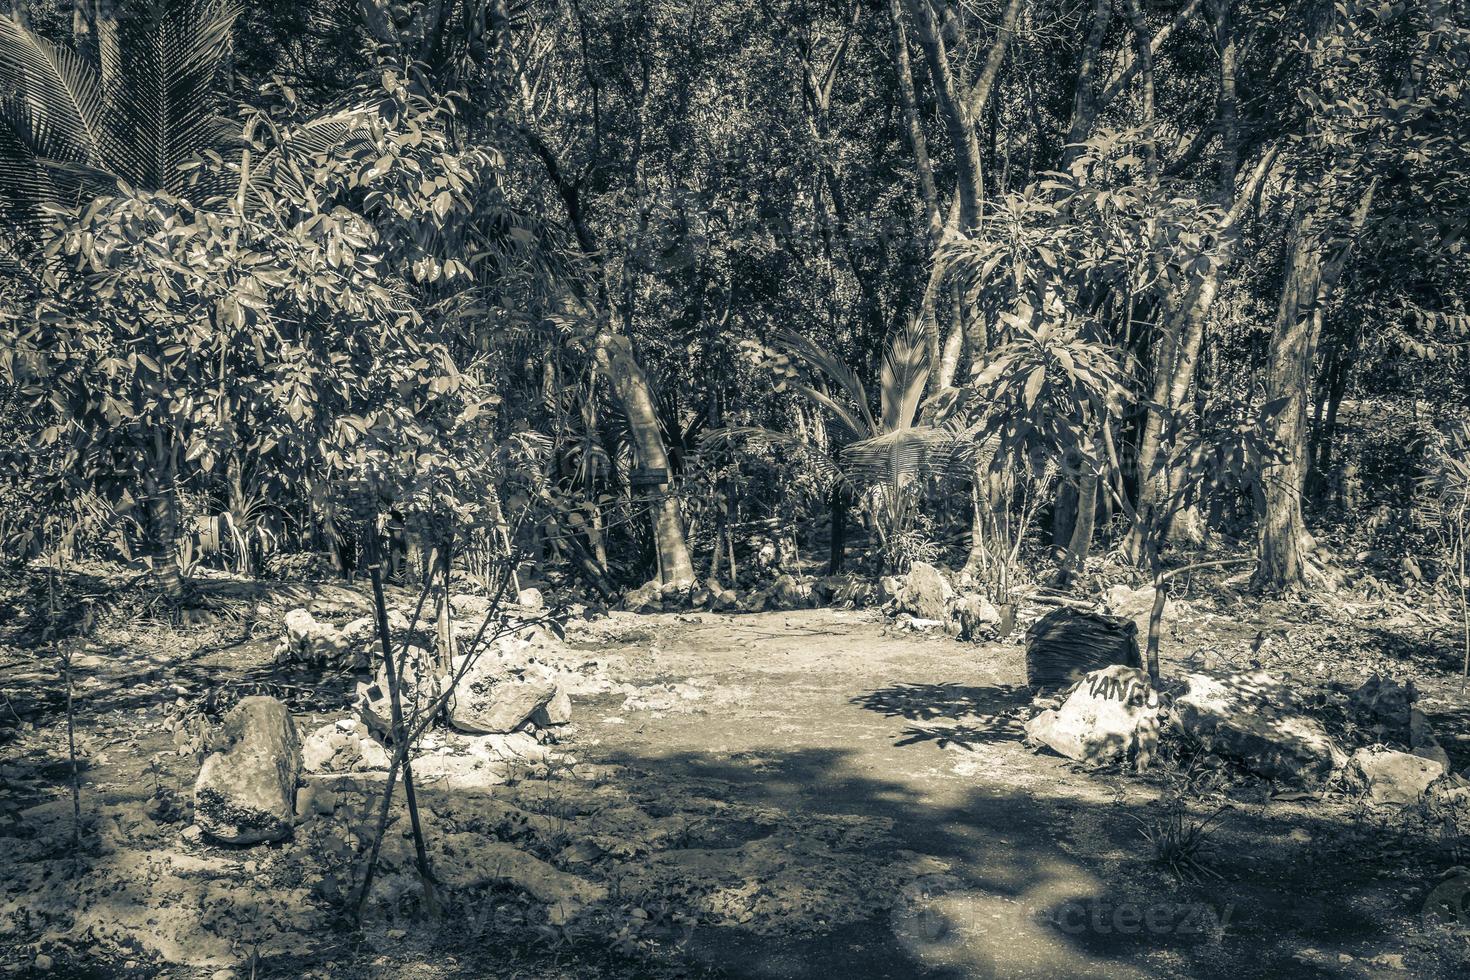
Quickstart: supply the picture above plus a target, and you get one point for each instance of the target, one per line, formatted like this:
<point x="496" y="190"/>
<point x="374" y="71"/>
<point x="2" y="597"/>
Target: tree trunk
<point x="838" y="504"/>
<point x="163" y="514"/>
<point x="1182" y="339"/>
<point x="905" y="71"/>
<point x="1310" y="280"/>
<point x="958" y="123"/>
<point x="1287" y="378"/>
<point x="1084" y="96"/>
<point x="615" y="360"/>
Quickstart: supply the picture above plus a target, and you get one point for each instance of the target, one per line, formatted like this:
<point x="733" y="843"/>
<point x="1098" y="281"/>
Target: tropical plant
<point x="73" y="128"/>
<point x="884" y="460"/>
<point x="272" y="329"/>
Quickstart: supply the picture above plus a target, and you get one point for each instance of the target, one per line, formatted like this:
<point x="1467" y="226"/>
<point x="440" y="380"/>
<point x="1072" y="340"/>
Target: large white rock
<point x="246" y="792"/>
<point x="421" y="682"/>
<point x="1395" y="777"/>
<point x="1255" y="718"/>
<point x="1112" y="713"/>
<point x="488" y="700"/>
<point x="926" y="592"/>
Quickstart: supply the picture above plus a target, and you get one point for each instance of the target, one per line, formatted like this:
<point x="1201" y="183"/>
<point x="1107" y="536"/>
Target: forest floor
<point x="786" y="795"/>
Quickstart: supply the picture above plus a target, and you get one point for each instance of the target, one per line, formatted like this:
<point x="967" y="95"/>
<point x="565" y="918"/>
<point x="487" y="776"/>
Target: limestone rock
<point x="1422" y="741"/>
<point x="246" y="793"/>
<point x="487" y="701"/>
<point x="557" y="711"/>
<point x="648" y="597"/>
<point x="1395" y="777"/>
<point x="1135" y="604"/>
<point x="791" y="593"/>
<point x="310" y="642"/>
<point x="755" y="601"/>
<point x="1112" y="713"/>
<point x="1066" y="644"/>
<point x="926" y="592"/>
<point x="467" y="861"/>
<point x="1255" y="718"/>
<point x="340" y="747"/>
<point x="420" y="683"/>
<point x="972" y="616"/>
<point x="530" y="600"/>
<point x="467" y="606"/>
<point x="515" y="747"/>
<point x="361" y="631"/>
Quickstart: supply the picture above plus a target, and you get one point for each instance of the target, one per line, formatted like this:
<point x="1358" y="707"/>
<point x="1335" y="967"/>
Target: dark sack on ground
<point x="1066" y="644"/>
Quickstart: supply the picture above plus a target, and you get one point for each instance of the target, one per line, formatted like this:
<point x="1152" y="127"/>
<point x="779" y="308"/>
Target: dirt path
<point x="831" y="712"/>
<point x="786" y="795"/>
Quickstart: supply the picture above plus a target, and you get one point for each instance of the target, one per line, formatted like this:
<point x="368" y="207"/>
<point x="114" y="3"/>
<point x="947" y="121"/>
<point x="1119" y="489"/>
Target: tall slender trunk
<point x="1183" y="335"/>
<point x="903" y="68"/>
<point x="1084" y="95"/>
<point x="958" y="123"/>
<point x="1310" y="279"/>
<point x="838" y="505"/>
<point x="960" y="112"/>
<point x="1281" y="524"/>
<point x="616" y="361"/>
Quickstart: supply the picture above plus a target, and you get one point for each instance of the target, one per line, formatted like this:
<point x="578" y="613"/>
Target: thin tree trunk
<point x="1281" y="524"/>
<point x="1080" y="543"/>
<point x="958" y="124"/>
<point x="1184" y="335"/>
<point x="615" y="360"/>
<point x="905" y="71"/>
<point x="1310" y="280"/>
<point x="1084" y="96"/>
<point x="838" y="505"/>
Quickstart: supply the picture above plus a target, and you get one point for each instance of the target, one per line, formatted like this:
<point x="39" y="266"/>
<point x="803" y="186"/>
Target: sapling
<point x="63" y="654"/>
<point x="1452" y="481"/>
<point x="422" y="720"/>
<point x="400" y="742"/>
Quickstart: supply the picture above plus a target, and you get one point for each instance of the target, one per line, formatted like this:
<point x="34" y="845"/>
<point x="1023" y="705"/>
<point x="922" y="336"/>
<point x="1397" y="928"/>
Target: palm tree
<point x="884" y="459"/>
<point x="72" y="128"/>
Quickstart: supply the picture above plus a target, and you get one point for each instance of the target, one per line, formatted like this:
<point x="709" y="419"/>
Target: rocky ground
<point x="802" y="793"/>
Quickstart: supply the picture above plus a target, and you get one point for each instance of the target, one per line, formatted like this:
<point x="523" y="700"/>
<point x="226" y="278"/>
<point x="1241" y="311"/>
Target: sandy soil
<point x="802" y="794"/>
<point x="1049" y="874"/>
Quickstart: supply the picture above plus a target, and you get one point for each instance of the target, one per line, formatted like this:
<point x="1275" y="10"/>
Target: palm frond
<point x="828" y="473"/>
<point x="917" y="453"/>
<point x="855" y="426"/>
<point x="905" y="372"/>
<point x="344" y="130"/>
<point x="50" y="128"/>
<point x="171" y="54"/>
<point x="832" y="366"/>
<point x="54" y="91"/>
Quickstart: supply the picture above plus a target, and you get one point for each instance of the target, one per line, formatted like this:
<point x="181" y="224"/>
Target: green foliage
<point x="71" y="128"/>
<point x="269" y="331"/>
